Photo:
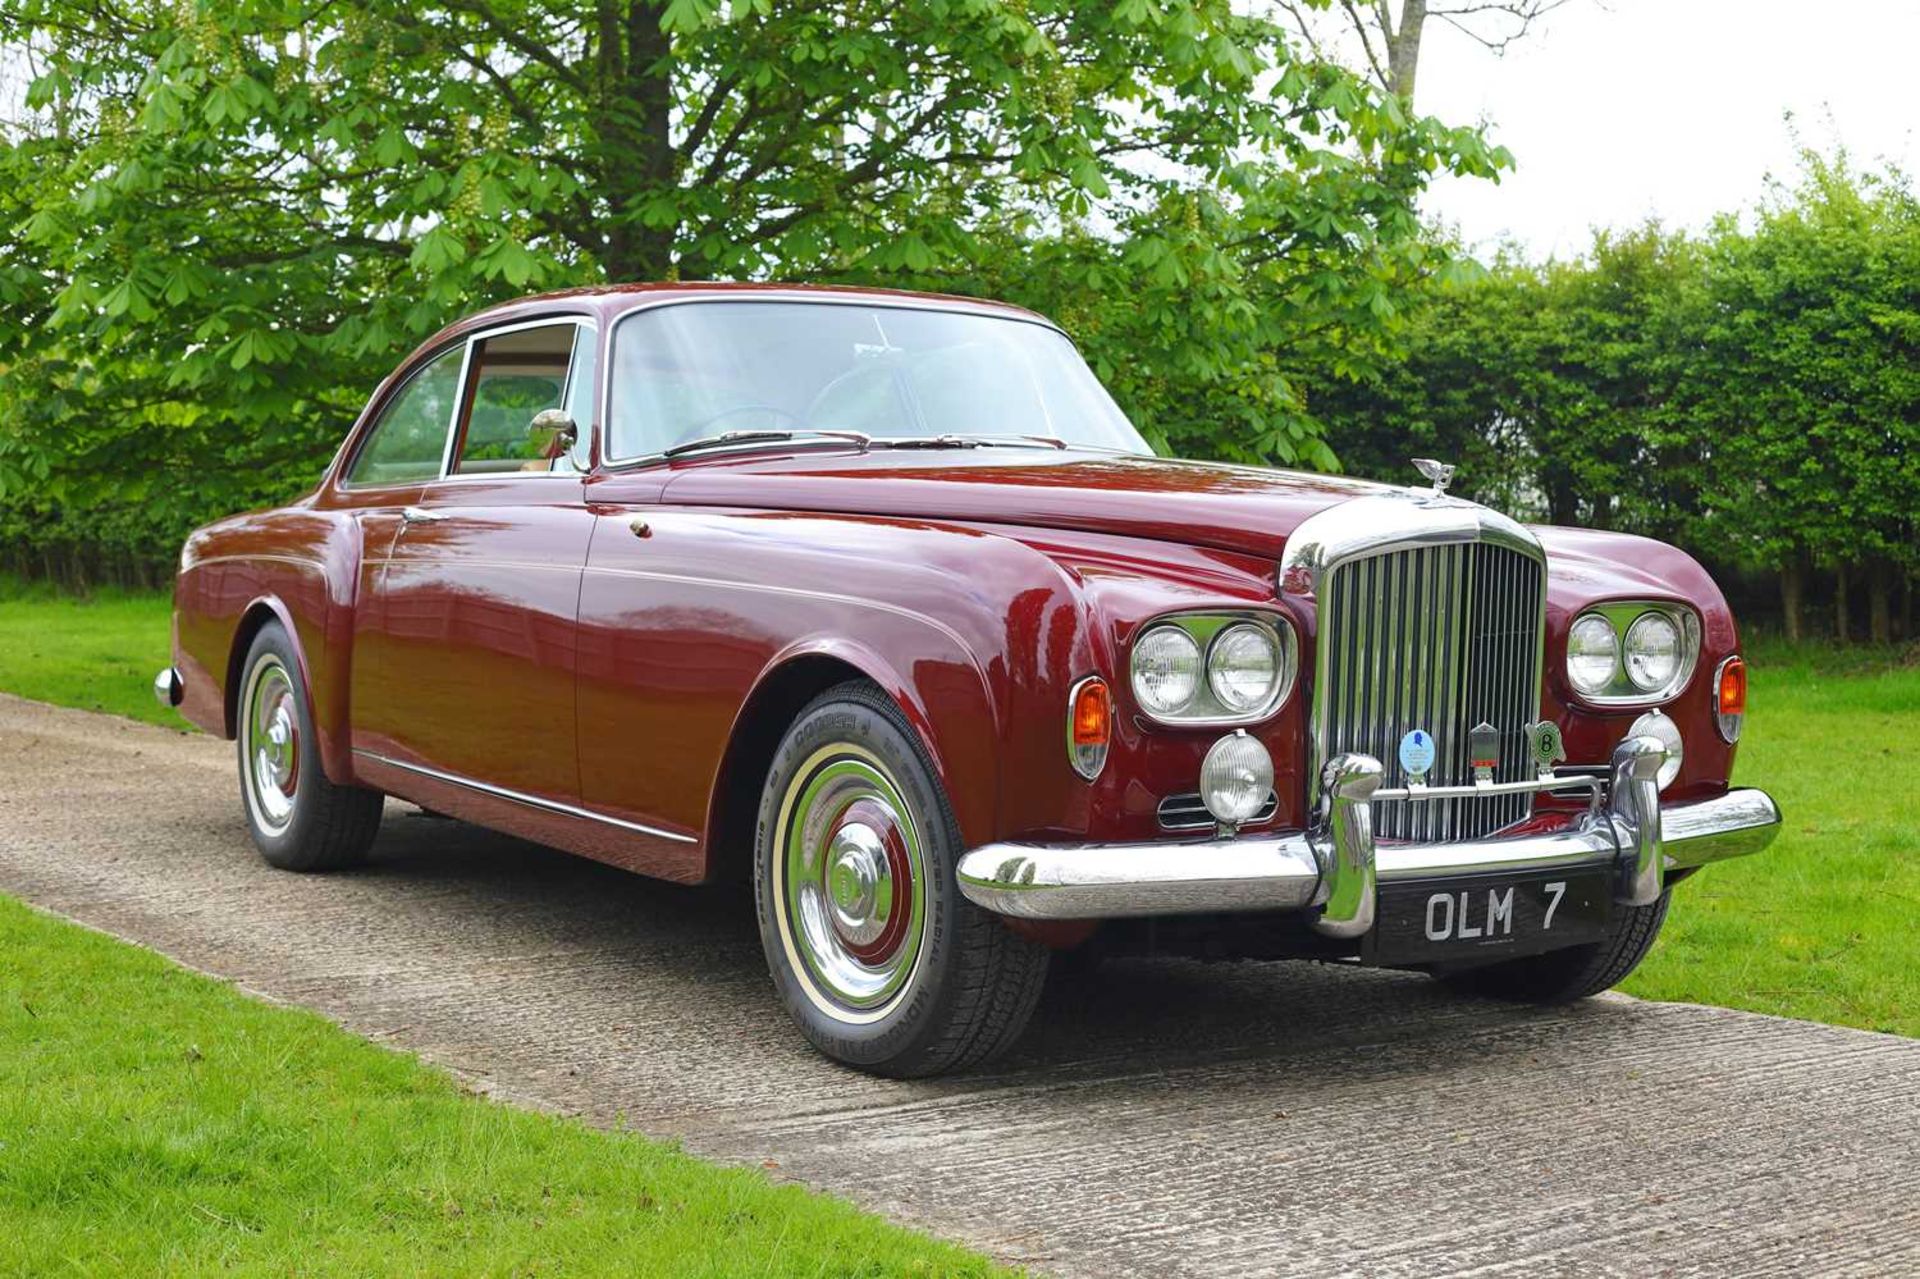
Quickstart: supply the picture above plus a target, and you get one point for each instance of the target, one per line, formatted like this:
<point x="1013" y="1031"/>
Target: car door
<point x="473" y="678"/>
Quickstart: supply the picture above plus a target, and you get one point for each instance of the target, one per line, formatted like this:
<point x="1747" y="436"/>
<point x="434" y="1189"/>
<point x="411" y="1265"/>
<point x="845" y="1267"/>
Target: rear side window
<point x="407" y="443"/>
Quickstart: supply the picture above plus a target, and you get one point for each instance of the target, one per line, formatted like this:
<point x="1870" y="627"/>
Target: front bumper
<point x="1336" y="865"/>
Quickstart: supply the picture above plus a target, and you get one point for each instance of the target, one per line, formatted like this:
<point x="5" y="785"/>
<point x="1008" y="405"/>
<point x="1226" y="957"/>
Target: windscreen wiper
<point x="728" y="439"/>
<point x="970" y="441"/>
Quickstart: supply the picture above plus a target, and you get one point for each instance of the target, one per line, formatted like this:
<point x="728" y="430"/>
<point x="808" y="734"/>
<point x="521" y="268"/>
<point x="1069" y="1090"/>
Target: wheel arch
<point x="787" y="684"/>
<point x="253" y="619"/>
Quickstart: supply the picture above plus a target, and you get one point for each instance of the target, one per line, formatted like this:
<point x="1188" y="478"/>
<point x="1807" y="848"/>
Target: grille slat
<point x="1438" y="638"/>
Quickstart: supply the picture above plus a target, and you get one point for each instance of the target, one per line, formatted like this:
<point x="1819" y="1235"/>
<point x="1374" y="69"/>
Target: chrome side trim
<point x="520" y="797"/>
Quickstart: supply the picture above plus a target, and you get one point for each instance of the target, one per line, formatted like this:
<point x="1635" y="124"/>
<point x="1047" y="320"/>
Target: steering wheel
<point x="700" y="428"/>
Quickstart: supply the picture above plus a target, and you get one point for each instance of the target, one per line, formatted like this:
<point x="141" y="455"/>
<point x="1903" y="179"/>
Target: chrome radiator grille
<point x="1439" y="638"/>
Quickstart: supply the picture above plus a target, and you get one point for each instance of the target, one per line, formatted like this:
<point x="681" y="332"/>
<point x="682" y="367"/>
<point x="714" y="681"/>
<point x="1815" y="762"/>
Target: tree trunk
<point x="1840" y="603"/>
<point x="1880" y="602"/>
<point x="1403" y="47"/>
<point x="1906" y="605"/>
<point x="633" y="127"/>
<point x="1793" y="584"/>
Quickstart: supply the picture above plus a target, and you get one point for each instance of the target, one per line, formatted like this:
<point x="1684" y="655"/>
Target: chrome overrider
<point x="1335" y="865"/>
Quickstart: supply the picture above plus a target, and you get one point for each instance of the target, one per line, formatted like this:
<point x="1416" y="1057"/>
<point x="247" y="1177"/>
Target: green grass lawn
<point x="99" y="654"/>
<point x="156" y="1121"/>
<point x="1826" y="923"/>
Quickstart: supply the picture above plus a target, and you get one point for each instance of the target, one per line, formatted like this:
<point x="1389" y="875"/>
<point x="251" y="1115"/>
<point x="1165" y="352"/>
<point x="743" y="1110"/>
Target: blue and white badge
<point x="1416" y="754"/>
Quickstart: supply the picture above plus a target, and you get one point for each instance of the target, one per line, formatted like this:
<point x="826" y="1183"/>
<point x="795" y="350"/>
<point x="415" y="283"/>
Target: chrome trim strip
<point x="520" y="797"/>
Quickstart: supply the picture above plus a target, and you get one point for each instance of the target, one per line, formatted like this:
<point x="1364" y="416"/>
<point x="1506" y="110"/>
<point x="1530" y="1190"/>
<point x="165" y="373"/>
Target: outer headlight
<point x="1653" y="652"/>
<point x="1166" y="670"/>
<point x="1593" y="653"/>
<point x="1243" y="667"/>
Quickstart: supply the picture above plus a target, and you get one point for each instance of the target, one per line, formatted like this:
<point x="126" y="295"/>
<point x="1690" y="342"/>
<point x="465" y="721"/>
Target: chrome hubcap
<point x="852" y="899"/>
<point x="271" y="744"/>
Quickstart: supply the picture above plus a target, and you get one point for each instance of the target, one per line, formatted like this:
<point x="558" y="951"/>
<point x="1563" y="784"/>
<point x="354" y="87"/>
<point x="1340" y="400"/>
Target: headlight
<point x="1663" y="730"/>
<point x="1653" y="652"/>
<point x="1222" y="668"/>
<point x="1243" y="666"/>
<point x="1166" y="670"/>
<point x="1593" y="653"/>
<point x="1652" y="663"/>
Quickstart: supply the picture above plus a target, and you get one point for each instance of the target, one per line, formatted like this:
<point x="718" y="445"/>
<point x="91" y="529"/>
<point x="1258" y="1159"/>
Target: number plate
<point x="1489" y="916"/>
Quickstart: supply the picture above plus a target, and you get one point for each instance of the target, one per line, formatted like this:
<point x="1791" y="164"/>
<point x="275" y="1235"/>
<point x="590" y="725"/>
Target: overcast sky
<point x="1618" y="109"/>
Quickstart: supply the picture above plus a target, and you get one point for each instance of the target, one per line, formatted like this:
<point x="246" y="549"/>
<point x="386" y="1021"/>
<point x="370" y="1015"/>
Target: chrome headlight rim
<point x="1593" y="624"/>
<point x="1633" y="645"/>
<point x="1206" y="627"/>
<point x="1621" y="691"/>
<point x="1153" y="634"/>
<point x="1217" y="655"/>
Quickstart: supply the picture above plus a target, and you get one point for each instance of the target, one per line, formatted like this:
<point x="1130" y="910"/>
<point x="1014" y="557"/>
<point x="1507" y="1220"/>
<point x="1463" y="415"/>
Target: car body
<point x="665" y="539"/>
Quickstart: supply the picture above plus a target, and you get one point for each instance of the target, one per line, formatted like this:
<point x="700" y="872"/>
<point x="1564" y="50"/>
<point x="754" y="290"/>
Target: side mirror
<point x="554" y="430"/>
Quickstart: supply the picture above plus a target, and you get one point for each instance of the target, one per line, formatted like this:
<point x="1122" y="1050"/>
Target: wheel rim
<point x="270" y="745"/>
<point x="852" y="897"/>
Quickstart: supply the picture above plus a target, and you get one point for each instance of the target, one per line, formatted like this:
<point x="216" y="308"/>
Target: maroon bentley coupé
<point x="879" y="601"/>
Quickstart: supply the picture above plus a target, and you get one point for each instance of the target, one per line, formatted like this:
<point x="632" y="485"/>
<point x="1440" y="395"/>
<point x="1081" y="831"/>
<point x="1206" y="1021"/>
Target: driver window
<point x="515" y="378"/>
<point x="406" y="444"/>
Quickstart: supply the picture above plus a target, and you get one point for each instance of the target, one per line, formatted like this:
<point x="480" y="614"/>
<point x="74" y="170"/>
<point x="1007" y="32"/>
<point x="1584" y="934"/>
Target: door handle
<point x="420" y="515"/>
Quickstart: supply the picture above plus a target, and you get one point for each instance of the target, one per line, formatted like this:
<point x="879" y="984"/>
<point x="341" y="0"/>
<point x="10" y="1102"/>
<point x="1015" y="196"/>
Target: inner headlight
<point x="1243" y="666"/>
<point x="1593" y="653"/>
<point x="1166" y="670"/>
<point x="1653" y="651"/>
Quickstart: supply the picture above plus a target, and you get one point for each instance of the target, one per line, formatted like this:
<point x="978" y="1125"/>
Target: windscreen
<point x="692" y="370"/>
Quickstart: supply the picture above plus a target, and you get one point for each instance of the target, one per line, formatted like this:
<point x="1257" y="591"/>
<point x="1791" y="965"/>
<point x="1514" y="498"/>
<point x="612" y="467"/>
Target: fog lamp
<point x="1663" y="730"/>
<point x="1235" y="779"/>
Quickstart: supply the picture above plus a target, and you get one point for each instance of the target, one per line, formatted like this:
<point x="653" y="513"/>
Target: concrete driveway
<point x="1162" y="1118"/>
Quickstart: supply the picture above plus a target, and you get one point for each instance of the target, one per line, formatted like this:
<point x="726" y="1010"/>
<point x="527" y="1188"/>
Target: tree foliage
<point x="226" y="220"/>
<point x="1752" y="392"/>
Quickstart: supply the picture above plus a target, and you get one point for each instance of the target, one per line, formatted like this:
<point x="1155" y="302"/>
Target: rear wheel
<point x="1562" y="976"/>
<point x="878" y="958"/>
<point x="299" y="820"/>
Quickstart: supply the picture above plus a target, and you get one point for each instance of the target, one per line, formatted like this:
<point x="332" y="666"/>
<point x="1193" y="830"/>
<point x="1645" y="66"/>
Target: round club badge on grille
<point x="1416" y="755"/>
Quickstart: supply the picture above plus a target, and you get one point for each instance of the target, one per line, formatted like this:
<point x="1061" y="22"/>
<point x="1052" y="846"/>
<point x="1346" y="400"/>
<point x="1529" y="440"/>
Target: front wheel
<point x="1562" y="976"/>
<point x="299" y="820"/>
<point x="876" y="955"/>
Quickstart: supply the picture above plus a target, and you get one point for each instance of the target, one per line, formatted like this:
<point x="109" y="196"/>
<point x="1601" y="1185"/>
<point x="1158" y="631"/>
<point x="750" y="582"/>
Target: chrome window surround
<point x="1621" y="691"/>
<point x="964" y="305"/>
<point x="1205" y="626"/>
<point x="1380" y="524"/>
<point x="465" y="346"/>
<point x="466" y="368"/>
